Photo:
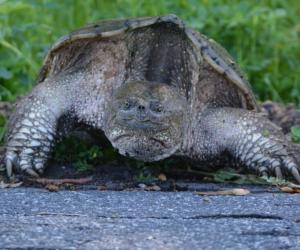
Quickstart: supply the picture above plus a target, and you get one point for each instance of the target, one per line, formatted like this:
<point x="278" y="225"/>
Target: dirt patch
<point x="111" y="176"/>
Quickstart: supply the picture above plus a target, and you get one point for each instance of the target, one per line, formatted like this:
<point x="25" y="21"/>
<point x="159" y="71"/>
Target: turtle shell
<point x="133" y="31"/>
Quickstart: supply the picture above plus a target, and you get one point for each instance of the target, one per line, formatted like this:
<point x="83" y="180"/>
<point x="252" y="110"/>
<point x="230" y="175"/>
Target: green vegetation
<point x="84" y="155"/>
<point x="263" y="36"/>
<point x="295" y="134"/>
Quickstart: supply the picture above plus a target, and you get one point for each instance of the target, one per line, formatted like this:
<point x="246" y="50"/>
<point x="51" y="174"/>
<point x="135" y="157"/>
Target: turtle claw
<point x="28" y="147"/>
<point x="278" y="173"/>
<point x="295" y="173"/>
<point x="13" y="164"/>
<point x="269" y="157"/>
<point x="31" y="172"/>
<point x="23" y="163"/>
<point x="9" y="168"/>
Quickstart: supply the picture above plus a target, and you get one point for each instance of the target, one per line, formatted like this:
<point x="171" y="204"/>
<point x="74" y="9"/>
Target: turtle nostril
<point x="141" y="108"/>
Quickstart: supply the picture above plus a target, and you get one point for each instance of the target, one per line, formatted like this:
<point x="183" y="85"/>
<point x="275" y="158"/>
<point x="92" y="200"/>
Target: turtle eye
<point x="156" y="107"/>
<point x="128" y="104"/>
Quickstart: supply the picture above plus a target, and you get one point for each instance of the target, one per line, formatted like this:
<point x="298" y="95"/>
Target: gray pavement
<point x="38" y="219"/>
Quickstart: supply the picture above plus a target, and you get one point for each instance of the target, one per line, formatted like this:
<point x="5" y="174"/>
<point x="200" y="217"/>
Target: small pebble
<point x="142" y="185"/>
<point x="155" y="188"/>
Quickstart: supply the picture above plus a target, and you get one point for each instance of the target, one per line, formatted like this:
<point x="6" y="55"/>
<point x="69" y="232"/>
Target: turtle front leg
<point x="250" y="138"/>
<point x="32" y="129"/>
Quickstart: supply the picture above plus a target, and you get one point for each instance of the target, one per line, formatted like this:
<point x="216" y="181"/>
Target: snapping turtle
<point x="155" y="88"/>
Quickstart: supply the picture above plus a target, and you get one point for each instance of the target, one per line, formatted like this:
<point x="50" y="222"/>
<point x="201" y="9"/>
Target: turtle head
<point x="146" y="120"/>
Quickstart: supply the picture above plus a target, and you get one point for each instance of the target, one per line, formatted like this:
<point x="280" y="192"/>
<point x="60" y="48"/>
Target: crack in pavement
<point x="270" y="233"/>
<point x="196" y="217"/>
<point x="238" y="216"/>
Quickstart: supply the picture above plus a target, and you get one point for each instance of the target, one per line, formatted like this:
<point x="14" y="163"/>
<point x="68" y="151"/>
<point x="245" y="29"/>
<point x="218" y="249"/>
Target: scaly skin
<point x="32" y="129"/>
<point x="251" y="139"/>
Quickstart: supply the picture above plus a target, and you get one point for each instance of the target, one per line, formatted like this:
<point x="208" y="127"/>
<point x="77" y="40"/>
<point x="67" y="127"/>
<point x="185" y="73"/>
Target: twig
<point x="45" y="181"/>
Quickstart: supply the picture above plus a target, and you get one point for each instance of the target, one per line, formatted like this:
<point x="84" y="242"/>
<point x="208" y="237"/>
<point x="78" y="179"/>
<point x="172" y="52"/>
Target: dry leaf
<point x="162" y="177"/>
<point x="52" y="188"/>
<point x="102" y="188"/>
<point x="45" y="181"/>
<point x="234" y="191"/>
<point x="287" y="189"/>
<point x="10" y="185"/>
<point x="153" y="188"/>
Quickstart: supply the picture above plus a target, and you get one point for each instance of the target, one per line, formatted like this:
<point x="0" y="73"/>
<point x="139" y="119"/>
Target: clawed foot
<point x="28" y="145"/>
<point x="269" y="156"/>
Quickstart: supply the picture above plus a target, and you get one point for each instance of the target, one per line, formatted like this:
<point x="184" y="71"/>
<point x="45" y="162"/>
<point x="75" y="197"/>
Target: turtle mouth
<point x="126" y="136"/>
<point x="159" y="142"/>
<point x="120" y="137"/>
<point x="147" y="124"/>
<point x="145" y="147"/>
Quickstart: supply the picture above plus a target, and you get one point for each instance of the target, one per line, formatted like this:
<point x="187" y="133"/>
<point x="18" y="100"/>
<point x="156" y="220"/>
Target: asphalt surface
<point x="38" y="219"/>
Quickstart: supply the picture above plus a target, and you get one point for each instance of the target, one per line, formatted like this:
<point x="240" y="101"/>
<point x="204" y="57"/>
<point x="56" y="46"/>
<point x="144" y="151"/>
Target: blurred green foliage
<point x="262" y="35"/>
<point x="295" y="134"/>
